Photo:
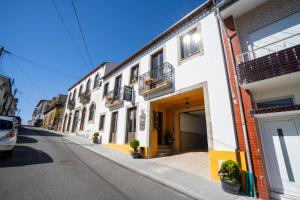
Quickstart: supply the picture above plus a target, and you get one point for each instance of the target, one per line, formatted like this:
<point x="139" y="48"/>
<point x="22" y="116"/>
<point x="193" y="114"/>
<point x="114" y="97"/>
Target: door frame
<point x="284" y="116"/>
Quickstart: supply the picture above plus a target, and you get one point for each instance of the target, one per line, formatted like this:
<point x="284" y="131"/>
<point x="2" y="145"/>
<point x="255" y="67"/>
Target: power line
<point x="43" y="66"/>
<point x="27" y="76"/>
<point x="68" y="30"/>
<point x="84" y="41"/>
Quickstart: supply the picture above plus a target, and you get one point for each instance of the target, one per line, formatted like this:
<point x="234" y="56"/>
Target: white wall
<point x="278" y="92"/>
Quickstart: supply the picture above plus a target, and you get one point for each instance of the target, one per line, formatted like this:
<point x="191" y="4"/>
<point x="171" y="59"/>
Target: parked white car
<point x="8" y="135"/>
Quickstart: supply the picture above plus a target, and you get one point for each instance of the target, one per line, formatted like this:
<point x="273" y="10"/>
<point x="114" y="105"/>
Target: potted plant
<point x="148" y="81"/>
<point x="230" y="175"/>
<point x="134" y="144"/>
<point x="169" y="138"/>
<point x="96" y="137"/>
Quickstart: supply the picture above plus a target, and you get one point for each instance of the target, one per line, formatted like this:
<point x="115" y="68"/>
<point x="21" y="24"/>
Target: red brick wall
<point x="258" y="167"/>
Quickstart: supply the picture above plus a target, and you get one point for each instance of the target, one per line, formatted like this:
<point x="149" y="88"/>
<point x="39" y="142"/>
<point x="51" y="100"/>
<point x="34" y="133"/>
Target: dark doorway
<point x="113" y="128"/>
<point x="75" y="121"/>
<point x="69" y="122"/>
<point x="160" y="130"/>
<point x="83" y="114"/>
<point x="131" y="124"/>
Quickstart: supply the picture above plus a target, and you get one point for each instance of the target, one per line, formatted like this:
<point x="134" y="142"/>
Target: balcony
<point x="85" y="97"/>
<point x="116" y="97"/>
<point x="273" y="60"/>
<point x="71" y="104"/>
<point x="156" y="80"/>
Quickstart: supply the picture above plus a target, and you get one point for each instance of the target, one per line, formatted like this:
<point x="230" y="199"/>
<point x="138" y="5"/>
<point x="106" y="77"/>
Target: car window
<point x="4" y="124"/>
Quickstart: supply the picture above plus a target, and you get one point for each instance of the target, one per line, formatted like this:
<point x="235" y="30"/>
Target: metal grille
<point x="155" y="77"/>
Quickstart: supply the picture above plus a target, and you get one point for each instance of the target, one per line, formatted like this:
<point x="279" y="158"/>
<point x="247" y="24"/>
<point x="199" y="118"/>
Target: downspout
<point x="240" y="102"/>
<point x="229" y="88"/>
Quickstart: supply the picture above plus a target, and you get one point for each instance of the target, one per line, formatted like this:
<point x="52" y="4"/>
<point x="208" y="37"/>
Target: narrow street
<point x="47" y="166"/>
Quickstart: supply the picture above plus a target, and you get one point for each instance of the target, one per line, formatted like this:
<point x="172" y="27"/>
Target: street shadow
<point x="23" y="156"/>
<point x="24" y="140"/>
<point x="33" y="132"/>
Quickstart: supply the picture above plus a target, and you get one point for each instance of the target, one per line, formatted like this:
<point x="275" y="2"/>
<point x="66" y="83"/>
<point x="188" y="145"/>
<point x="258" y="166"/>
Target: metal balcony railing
<point x="157" y="79"/>
<point x="277" y="63"/>
<point x="85" y="97"/>
<point x="114" y="97"/>
<point x="118" y="95"/>
<point x="71" y="104"/>
<point x="270" y="48"/>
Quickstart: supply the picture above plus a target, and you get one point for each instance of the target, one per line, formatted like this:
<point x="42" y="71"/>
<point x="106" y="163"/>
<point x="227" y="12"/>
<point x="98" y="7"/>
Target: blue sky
<point x="113" y="29"/>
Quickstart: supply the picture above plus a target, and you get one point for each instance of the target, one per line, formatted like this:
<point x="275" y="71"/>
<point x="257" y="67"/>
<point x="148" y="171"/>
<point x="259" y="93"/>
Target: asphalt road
<point x="47" y="166"/>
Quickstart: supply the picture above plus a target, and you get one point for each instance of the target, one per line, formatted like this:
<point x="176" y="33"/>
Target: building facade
<point x="261" y="40"/>
<point x="8" y="101"/>
<point x="172" y="95"/>
<point x="38" y="113"/>
<point x="53" y="115"/>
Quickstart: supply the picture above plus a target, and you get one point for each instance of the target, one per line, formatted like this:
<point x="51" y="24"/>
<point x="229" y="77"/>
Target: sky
<point x="45" y="60"/>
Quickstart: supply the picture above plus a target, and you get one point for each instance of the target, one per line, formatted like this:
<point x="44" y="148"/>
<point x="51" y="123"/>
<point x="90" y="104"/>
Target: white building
<point x="175" y="88"/>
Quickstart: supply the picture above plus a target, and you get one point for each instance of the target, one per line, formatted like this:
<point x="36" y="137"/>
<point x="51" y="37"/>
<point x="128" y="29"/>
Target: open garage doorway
<point x="193" y="135"/>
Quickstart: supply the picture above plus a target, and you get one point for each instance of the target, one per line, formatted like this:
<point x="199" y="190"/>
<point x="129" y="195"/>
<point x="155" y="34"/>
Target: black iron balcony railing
<point x="85" y="97"/>
<point x="118" y="95"/>
<point x="276" y="59"/>
<point x="71" y="104"/>
<point x="114" y="97"/>
<point x="159" y="78"/>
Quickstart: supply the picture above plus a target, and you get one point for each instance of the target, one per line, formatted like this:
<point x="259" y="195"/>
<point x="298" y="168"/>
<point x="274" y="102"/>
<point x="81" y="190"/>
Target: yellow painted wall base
<point x="216" y="158"/>
<point x="124" y="148"/>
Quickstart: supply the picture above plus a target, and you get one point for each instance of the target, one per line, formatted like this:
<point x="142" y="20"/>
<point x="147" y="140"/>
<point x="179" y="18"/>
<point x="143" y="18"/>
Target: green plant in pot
<point x="96" y="137"/>
<point x="169" y="138"/>
<point x="134" y="144"/>
<point x="230" y="175"/>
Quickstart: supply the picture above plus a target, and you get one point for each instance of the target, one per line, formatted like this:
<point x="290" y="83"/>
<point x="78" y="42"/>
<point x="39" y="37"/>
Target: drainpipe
<point x="241" y="106"/>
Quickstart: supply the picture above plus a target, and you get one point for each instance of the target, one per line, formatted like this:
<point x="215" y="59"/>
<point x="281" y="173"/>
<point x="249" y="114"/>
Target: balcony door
<point x="157" y="60"/>
<point x="118" y="82"/>
<point x="113" y="128"/>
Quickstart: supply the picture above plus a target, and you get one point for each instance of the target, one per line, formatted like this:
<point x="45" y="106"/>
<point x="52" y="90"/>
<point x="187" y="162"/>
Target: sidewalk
<point x="194" y="186"/>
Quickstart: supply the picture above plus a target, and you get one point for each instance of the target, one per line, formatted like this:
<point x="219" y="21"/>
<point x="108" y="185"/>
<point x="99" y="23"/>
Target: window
<point x="74" y="94"/>
<point x="92" y="112"/>
<point x="157" y="60"/>
<point x="105" y="90"/>
<point x="97" y="81"/>
<point x="70" y="96"/>
<point x="190" y="43"/>
<point x="134" y="74"/>
<point x="101" y="123"/>
<point x="275" y="103"/>
<point x="88" y="85"/>
<point x="80" y="91"/>
<point x="118" y="82"/>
